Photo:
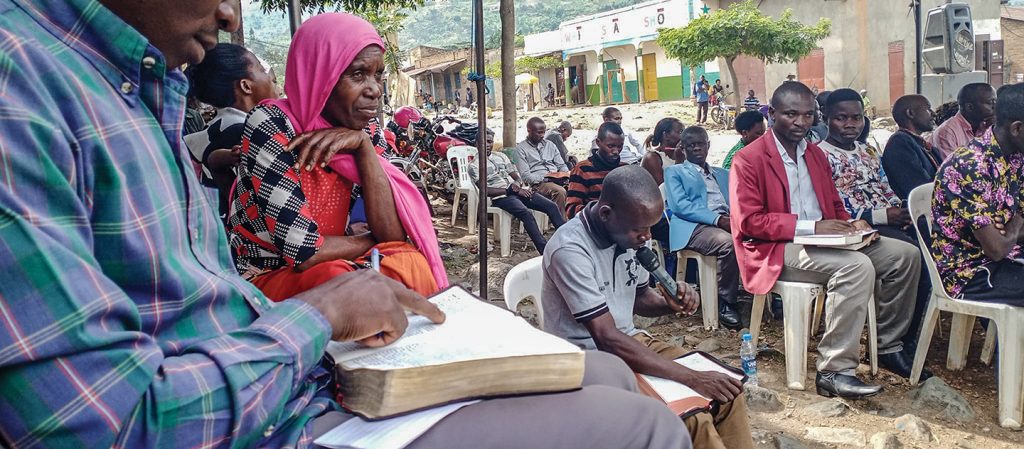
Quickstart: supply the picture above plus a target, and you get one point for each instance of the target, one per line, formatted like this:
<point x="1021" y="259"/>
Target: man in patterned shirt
<point x="125" y="323"/>
<point x="979" y="224"/>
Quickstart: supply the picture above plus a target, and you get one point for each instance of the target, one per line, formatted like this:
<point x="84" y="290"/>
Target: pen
<point x="375" y="260"/>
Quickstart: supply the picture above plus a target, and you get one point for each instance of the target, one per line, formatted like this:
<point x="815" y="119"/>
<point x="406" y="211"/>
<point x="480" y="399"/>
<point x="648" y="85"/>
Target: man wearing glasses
<point x="698" y="196"/>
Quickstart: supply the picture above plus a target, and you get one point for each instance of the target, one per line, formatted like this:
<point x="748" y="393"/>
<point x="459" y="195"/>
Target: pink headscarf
<point x="321" y="50"/>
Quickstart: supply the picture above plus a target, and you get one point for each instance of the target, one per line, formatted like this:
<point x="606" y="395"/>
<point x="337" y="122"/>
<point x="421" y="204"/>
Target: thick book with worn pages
<point x="681" y="399"/>
<point x="851" y="242"/>
<point x="479" y="351"/>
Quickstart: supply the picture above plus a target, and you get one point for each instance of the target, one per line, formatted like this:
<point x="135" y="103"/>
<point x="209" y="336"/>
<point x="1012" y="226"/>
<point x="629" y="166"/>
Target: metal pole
<point x="294" y="15"/>
<point x="917" y="45"/>
<point x="481" y="142"/>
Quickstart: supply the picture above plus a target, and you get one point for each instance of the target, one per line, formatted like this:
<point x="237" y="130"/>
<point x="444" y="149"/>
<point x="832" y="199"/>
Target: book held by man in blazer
<point x="479" y="351"/>
<point x="852" y="242"/>
<point x="681" y="399"/>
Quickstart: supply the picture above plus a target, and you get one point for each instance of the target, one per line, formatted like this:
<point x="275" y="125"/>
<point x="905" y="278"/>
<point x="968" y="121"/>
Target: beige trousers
<point x="888" y="267"/>
<point x="728" y="428"/>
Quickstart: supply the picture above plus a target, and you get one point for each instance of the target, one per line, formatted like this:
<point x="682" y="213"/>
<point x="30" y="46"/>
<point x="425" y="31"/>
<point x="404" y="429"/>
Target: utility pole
<point x="481" y="142"/>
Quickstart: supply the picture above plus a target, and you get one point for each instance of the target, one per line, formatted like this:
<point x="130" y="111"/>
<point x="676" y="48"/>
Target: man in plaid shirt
<point x="123" y="322"/>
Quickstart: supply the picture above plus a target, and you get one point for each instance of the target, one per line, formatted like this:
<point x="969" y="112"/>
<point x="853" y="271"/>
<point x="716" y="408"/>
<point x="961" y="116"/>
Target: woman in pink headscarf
<point x="301" y="159"/>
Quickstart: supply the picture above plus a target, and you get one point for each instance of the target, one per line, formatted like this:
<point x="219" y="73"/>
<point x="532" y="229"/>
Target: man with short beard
<point x="781" y="186"/>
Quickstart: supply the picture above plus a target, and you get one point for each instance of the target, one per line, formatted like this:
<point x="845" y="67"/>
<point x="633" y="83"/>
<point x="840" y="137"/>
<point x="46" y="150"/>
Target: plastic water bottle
<point x="748" y="358"/>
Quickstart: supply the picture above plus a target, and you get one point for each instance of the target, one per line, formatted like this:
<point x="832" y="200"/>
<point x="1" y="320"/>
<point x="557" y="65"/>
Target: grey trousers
<point x="712" y="241"/>
<point x="606" y="412"/>
<point x="888" y="267"/>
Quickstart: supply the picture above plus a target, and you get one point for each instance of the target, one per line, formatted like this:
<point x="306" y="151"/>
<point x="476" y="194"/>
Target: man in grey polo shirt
<point x="540" y="163"/>
<point x="593" y="285"/>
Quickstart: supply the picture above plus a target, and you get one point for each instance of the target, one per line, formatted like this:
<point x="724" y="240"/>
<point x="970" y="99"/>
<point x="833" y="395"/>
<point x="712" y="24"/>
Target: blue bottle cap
<point x="747" y="337"/>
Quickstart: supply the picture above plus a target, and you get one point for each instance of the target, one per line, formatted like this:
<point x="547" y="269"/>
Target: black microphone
<point x="649" y="260"/>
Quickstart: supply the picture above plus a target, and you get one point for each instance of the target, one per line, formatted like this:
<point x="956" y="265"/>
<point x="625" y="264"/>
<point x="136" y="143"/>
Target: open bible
<point x="479" y="351"/>
<point x="681" y="399"/>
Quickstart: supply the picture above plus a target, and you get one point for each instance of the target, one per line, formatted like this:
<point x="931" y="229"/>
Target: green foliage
<point x="525" y="64"/>
<point x="389" y="22"/>
<point x="318" y="6"/>
<point x="742" y="30"/>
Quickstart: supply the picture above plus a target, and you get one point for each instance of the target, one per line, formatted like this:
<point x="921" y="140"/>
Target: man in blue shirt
<point x="702" y="95"/>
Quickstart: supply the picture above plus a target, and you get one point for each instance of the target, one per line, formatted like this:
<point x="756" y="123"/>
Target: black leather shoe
<point x="900" y="364"/>
<point x="728" y="317"/>
<point x="832" y="384"/>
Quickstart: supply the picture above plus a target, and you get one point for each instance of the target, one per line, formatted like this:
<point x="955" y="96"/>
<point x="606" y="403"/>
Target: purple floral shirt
<point x="974" y="185"/>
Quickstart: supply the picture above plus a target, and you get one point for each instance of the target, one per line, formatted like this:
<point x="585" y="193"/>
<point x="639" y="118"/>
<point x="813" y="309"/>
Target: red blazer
<point x="761" y="220"/>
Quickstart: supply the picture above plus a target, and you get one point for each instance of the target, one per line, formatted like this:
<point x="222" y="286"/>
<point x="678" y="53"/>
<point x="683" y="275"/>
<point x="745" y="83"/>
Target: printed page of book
<point x="394" y="433"/>
<point x="472" y="330"/>
<point x="672" y="391"/>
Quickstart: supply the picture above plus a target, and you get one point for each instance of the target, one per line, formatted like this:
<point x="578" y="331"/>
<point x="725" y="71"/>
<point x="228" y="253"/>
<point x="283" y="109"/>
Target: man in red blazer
<point x="773" y="199"/>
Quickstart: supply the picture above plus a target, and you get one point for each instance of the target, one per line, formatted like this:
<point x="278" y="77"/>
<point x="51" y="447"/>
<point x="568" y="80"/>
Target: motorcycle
<point x="422" y="147"/>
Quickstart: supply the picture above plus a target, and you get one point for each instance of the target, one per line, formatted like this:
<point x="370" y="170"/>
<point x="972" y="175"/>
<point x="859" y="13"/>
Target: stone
<point x="455" y="253"/>
<point x="644" y="322"/>
<point x="709" y="345"/>
<point x="884" y="440"/>
<point x="914" y="428"/>
<point x="760" y="399"/>
<point x="827" y="409"/>
<point x="934" y="392"/>
<point x="783" y="441"/>
<point x="496" y="271"/>
<point x="836" y="435"/>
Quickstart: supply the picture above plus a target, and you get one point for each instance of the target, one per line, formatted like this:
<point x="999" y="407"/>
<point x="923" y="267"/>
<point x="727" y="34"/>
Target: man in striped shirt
<point x="125" y="323"/>
<point x="587" y="176"/>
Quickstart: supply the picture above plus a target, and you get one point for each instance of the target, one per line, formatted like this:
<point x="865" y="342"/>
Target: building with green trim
<point x="613" y="57"/>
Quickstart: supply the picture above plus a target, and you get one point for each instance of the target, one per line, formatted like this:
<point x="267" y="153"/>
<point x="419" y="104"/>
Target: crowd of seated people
<point x="166" y="325"/>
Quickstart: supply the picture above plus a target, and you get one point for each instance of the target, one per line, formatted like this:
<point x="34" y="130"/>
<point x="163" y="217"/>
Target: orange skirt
<point x="399" y="261"/>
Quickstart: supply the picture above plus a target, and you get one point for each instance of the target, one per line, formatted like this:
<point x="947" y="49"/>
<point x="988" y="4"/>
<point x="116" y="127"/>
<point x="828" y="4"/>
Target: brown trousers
<point x="606" y="413"/>
<point x="728" y="428"/>
<point x="553" y="192"/>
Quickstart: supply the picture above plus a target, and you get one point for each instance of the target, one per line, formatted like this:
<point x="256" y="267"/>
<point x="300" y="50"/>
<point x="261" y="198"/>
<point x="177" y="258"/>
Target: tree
<point x="335" y="5"/>
<point x="238" y="37"/>
<point x="742" y="30"/>
<point x="508" y="73"/>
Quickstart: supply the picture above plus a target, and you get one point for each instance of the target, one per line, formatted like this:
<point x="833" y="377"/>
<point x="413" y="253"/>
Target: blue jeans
<point x="520" y="207"/>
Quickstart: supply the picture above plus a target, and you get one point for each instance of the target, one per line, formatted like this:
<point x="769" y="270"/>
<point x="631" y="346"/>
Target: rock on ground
<point x="827" y="409"/>
<point x="836" y="435"/>
<point x="935" y="393"/>
<point x="496" y="271"/>
<point x="710" y="345"/>
<point x="885" y="440"/>
<point x="914" y="427"/>
<point x="761" y="399"/>
<point x="783" y="441"/>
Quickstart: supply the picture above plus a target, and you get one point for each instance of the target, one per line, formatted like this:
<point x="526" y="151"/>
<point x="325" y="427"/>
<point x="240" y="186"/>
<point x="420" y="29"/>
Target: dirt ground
<point x="976" y="382"/>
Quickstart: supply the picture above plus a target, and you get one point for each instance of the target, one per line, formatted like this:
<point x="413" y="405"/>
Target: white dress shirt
<point x="802" y="199"/>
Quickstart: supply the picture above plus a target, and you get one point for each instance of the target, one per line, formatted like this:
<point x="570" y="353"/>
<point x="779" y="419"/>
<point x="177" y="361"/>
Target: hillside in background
<point x="448" y="23"/>
<point x="438" y="23"/>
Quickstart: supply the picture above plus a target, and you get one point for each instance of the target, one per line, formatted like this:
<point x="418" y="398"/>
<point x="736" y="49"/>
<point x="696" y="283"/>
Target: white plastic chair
<point x="707" y="273"/>
<point x="522" y="281"/>
<point x="798" y="299"/>
<point x="461" y="156"/>
<point x="1008" y="321"/>
<point x="454" y="153"/>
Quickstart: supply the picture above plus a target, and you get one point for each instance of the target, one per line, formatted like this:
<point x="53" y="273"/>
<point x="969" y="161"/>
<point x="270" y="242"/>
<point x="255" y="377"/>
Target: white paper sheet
<point x="394" y="433"/>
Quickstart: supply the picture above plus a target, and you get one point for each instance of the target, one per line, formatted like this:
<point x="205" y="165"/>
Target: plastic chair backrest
<point x="459" y="156"/>
<point x="919" y="203"/>
<point x="523" y="280"/>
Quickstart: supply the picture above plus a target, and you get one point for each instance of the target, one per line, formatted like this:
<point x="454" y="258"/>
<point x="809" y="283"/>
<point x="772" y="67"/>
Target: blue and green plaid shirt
<point x="122" y="320"/>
